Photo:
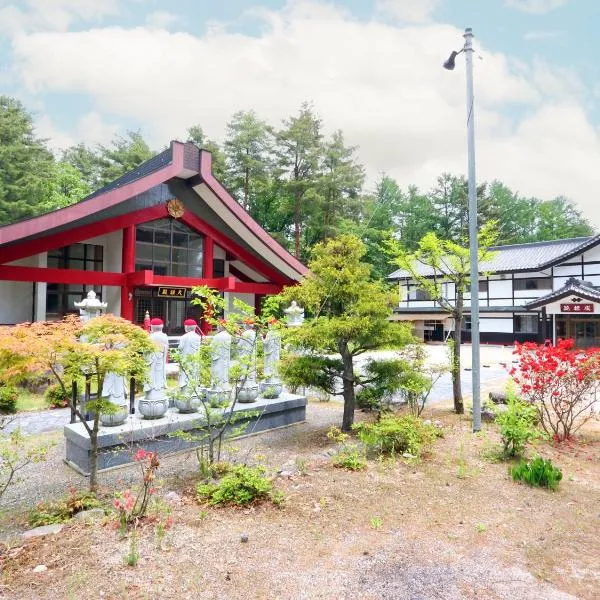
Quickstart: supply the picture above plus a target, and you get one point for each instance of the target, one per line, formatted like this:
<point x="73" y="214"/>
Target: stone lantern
<point x="91" y="307"/>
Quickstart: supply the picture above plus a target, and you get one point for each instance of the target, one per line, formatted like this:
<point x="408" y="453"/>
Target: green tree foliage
<point x="87" y="162"/>
<point x="26" y="164"/>
<point x="248" y="149"/>
<point x="66" y="187"/>
<point x="446" y="262"/>
<point x="298" y="151"/>
<point x="340" y="185"/>
<point x="123" y="155"/>
<point x="219" y="168"/>
<point x="349" y="315"/>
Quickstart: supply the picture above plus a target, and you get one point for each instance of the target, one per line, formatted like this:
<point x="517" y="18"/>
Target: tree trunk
<point x="297" y="224"/>
<point x="246" y="188"/>
<point x="94" y="453"/>
<point x="459" y="407"/>
<point x="348" y="386"/>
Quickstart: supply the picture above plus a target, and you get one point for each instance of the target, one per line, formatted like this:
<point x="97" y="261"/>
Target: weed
<point x="397" y="435"/>
<point x="240" y="486"/>
<point x="301" y="465"/>
<point x="376" y="522"/>
<point x="481" y="527"/>
<point x="278" y="497"/>
<point x="48" y="513"/>
<point x="133" y="556"/>
<point x="349" y="458"/>
<point x="537" y="472"/>
<point x="517" y="424"/>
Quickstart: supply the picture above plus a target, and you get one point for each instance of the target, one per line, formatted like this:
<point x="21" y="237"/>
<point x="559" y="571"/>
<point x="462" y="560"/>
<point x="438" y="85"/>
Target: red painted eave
<point x="45" y="223"/>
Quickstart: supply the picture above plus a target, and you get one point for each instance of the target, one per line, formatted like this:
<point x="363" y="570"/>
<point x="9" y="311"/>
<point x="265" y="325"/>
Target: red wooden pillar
<point x="128" y="266"/>
<point x="208" y="255"/>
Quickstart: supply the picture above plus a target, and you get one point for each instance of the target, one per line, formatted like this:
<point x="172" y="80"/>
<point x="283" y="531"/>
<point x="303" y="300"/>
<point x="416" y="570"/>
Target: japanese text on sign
<point x="577" y="308"/>
<point x="171" y="292"/>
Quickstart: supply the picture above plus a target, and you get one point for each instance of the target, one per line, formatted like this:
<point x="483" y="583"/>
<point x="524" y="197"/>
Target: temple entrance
<point x="171" y="309"/>
<point x="585" y="331"/>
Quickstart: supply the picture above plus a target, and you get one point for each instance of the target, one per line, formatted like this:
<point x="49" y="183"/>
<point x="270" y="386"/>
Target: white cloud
<point x="161" y="19"/>
<point x="535" y="7"/>
<point x="535" y="36"/>
<point x="56" y="15"/>
<point x="408" y="11"/>
<point x="384" y="86"/>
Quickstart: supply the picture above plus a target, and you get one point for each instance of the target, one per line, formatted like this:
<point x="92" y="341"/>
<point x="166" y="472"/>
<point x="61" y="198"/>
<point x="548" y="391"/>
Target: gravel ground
<point x="53" y="477"/>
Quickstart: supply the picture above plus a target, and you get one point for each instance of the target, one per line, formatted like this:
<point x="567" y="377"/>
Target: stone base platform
<point x="117" y="445"/>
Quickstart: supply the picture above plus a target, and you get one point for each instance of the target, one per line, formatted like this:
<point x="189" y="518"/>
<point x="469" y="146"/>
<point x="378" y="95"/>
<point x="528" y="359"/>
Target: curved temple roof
<point x="181" y="168"/>
<point x="533" y="256"/>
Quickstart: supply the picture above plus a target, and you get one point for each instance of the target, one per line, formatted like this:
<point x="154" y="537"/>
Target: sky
<point x="93" y="69"/>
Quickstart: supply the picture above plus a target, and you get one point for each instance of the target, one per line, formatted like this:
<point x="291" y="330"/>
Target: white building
<point x="531" y="292"/>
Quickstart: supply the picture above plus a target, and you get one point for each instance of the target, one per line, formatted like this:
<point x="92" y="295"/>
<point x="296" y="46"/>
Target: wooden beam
<point x="84" y="232"/>
<point x="14" y="273"/>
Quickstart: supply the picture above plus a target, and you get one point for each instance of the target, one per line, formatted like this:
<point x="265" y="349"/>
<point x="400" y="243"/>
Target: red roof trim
<point x="223" y="195"/>
<point x="44" y="223"/>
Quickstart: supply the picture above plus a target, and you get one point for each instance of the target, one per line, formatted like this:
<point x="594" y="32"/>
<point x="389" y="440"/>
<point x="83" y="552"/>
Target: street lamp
<point x="473" y="249"/>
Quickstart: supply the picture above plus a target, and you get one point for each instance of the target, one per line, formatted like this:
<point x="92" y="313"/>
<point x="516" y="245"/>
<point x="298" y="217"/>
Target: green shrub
<point x="396" y="435"/>
<point x="48" y="513"/>
<point x="55" y="396"/>
<point x="349" y="458"/>
<point x="517" y="425"/>
<point x="8" y="399"/>
<point x="537" y="473"/>
<point x="241" y="485"/>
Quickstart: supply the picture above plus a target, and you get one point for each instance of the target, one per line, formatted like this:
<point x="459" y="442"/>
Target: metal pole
<point x="473" y="246"/>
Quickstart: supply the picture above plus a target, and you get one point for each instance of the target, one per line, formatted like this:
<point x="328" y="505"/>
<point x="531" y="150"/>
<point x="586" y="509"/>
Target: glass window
<point x="535" y="283"/>
<point x="175" y="249"/>
<point x="526" y="323"/>
<point x="483" y="287"/>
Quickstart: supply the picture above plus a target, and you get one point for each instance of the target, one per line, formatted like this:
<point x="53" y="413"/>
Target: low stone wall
<point x="117" y="445"/>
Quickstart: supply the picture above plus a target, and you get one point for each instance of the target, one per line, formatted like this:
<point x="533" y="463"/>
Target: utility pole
<point x="473" y="245"/>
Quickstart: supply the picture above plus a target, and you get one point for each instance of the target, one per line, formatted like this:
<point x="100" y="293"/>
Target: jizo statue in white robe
<point x="272" y="352"/>
<point x="220" y="347"/>
<point x="157" y="361"/>
<point x="189" y="344"/>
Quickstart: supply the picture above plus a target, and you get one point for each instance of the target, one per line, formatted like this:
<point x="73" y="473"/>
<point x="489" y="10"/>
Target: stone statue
<point x="272" y="351"/>
<point x="155" y="403"/>
<point x="271" y="387"/>
<point x="114" y="388"/>
<point x="248" y="391"/>
<point x="221" y="358"/>
<point x="247" y="353"/>
<point x="90" y="307"/>
<point x="294" y="314"/>
<point x="189" y="344"/>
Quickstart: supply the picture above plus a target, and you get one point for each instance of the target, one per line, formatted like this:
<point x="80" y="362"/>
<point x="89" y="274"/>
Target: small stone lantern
<point x="91" y="307"/>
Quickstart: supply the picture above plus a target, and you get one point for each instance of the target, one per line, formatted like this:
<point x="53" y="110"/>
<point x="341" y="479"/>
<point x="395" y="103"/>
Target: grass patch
<point x="28" y="401"/>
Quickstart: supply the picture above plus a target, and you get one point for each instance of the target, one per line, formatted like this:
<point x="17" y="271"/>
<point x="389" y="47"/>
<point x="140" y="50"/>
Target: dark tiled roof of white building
<point x="532" y="256"/>
<point x="573" y="287"/>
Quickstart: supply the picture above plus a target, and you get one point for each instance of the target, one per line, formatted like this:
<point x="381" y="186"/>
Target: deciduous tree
<point x="434" y="264"/>
<point x="349" y="316"/>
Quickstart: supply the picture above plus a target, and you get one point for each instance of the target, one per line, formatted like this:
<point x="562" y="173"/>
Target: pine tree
<point x="26" y="164"/>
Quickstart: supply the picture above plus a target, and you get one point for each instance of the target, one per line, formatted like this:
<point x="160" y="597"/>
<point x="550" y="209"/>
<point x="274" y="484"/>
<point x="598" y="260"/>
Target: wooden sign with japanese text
<point x="171" y="292"/>
<point x="577" y="308"/>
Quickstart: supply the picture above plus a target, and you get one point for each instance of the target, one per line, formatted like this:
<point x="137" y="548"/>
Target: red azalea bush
<point x="132" y="507"/>
<point x="561" y="381"/>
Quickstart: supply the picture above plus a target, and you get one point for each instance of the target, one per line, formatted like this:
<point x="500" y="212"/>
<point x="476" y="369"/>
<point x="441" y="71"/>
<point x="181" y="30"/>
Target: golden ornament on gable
<point x="175" y="208"/>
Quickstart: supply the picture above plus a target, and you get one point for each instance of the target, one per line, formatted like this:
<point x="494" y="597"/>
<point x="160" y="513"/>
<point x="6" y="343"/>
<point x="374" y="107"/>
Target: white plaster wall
<point x="500" y="288"/>
<point x="40" y="290"/>
<point x="591" y="254"/>
<point x="554" y="307"/>
<point x="17" y="296"/>
<point x="495" y="324"/>
<point x="568" y="271"/>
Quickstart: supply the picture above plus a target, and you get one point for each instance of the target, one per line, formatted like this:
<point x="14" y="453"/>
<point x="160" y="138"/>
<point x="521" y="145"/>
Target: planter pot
<point x="271" y="389"/>
<point x="117" y="418"/>
<point x="187" y="405"/>
<point x="248" y="393"/>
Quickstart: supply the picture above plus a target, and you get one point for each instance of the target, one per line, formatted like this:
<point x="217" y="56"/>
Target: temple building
<point x="141" y="243"/>
<point x="530" y="292"/>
